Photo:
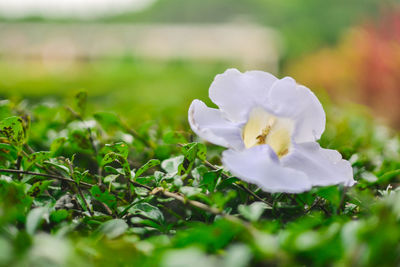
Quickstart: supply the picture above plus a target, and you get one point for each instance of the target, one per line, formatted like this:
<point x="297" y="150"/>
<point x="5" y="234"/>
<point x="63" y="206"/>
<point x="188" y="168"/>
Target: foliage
<point x="86" y="189"/>
<point x="124" y="85"/>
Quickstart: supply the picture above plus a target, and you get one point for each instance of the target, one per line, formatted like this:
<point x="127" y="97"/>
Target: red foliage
<point x="364" y="66"/>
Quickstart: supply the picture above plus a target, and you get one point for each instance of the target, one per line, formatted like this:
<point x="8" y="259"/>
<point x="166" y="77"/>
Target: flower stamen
<point x="264" y="128"/>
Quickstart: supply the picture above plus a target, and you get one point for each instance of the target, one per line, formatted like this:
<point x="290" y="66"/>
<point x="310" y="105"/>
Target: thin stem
<point x="18" y="166"/>
<point x="91" y="139"/>
<point x="341" y="201"/>
<point x="45" y="175"/>
<point x="71" y="170"/>
<point x="316" y="202"/>
<point x="182" y="199"/>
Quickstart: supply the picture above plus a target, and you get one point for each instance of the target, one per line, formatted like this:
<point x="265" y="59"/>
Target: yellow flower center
<point x="265" y="128"/>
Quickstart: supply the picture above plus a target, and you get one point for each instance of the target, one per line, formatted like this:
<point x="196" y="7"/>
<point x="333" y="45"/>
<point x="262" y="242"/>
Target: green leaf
<point x="38" y="157"/>
<point x="147" y="210"/>
<point x="13" y="129"/>
<point x="107" y="120"/>
<point x="58" y="166"/>
<point x="118" y="148"/>
<point x="113" y="228"/>
<point x="191" y="152"/>
<point x="112" y="156"/>
<point x="59" y="215"/>
<point x="227" y="182"/>
<point x="210" y="180"/>
<point x="81" y="102"/>
<point x="110" y="178"/>
<point x="330" y="193"/>
<point x="14" y="202"/>
<point x="150" y="164"/>
<point x="104" y="197"/>
<point x="57" y="144"/>
<point x="79" y="176"/>
<point x="8" y="151"/>
<point x="35" y="217"/>
<point x="171" y="165"/>
<point x="190" y="191"/>
<point x="6" y="249"/>
<point x="38" y="188"/>
<point x="254" y="211"/>
<point x="172" y="138"/>
<point x="80" y="140"/>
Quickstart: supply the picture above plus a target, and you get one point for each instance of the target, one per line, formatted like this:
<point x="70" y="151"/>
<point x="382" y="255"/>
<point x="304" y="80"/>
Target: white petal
<point x="260" y="165"/>
<point x="209" y="124"/>
<point x="236" y="93"/>
<point x="322" y="166"/>
<point x="288" y="99"/>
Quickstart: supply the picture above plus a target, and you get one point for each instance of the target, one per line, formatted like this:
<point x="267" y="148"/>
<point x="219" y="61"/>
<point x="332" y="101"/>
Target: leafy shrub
<point x="87" y="189"/>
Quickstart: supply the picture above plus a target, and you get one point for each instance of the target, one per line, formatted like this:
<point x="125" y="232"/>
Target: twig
<point x="182" y="199"/>
<point x="71" y="170"/>
<point x="341" y="200"/>
<point x="18" y="166"/>
<point x="316" y="202"/>
<point x="44" y="175"/>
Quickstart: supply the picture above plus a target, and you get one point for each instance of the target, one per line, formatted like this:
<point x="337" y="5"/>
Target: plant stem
<point x="71" y="170"/>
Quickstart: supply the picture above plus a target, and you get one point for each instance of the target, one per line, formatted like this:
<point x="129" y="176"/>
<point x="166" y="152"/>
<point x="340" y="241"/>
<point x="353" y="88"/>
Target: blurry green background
<point x="149" y="59"/>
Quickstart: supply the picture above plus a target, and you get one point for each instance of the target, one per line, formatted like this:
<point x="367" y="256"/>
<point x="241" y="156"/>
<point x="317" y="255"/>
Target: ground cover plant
<point x="84" y="187"/>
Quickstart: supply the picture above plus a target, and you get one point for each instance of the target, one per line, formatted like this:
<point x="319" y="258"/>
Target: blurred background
<point x="147" y="59"/>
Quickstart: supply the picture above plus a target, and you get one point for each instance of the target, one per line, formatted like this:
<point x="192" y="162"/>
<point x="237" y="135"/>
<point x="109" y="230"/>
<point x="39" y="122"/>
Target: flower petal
<point x="260" y="165"/>
<point x="236" y="93"/>
<point x="322" y="166"/>
<point x="288" y="99"/>
<point x="209" y="124"/>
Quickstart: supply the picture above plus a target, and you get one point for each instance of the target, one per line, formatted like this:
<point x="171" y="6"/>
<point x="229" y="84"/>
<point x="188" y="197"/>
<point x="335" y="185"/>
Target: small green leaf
<point x="119" y="148"/>
<point x="38" y="157"/>
<point x="174" y="138"/>
<point x="150" y="164"/>
<point x="35" y="217"/>
<point x="330" y="193"/>
<point x="8" y="151"/>
<point x="171" y="165"/>
<point x="107" y="120"/>
<point x="38" y="188"/>
<point x="13" y="129"/>
<point x="59" y="215"/>
<point x="147" y="210"/>
<point x="113" y="228"/>
<point x="104" y="197"/>
<point x="58" y="166"/>
<point x="81" y="102"/>
<point x="112" y="156"/>
<point x="57" y="144"/>
<point x="210" y="180"/>
<point x="79" y="176"/>
<point x="254" y="211"/>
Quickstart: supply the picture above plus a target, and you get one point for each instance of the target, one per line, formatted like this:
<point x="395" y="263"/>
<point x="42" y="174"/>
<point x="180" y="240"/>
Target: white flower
<point x="270" y="127"/>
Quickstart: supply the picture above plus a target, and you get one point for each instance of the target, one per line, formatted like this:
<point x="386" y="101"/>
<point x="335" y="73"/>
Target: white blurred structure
<point x="83" y="9"/>
<point x="250" y="45"/>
